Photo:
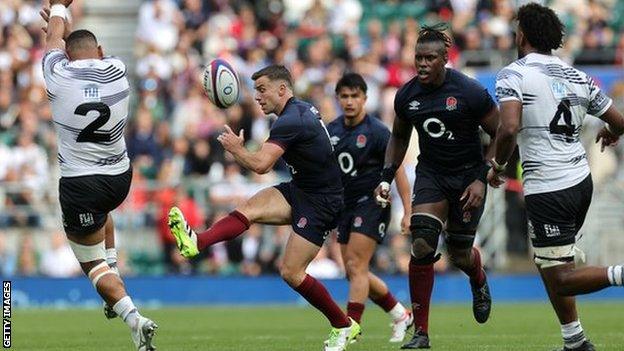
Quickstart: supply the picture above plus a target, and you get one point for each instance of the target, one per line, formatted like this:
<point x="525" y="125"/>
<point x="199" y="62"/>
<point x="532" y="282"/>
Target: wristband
<point x="483" y="173"/>
<point x="388" y="173"/>
<point x="496" y="167"/>
<point x="59" y="11"/>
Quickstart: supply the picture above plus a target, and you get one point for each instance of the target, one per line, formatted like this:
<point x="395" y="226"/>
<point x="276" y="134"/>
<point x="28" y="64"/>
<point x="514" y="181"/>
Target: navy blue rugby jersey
<point x="360" y="150"/>
<point x="308" y="152"/>
<point x="447" y="120"/>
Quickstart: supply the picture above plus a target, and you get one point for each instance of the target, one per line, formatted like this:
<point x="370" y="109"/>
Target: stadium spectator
<point x="58" y="261"/>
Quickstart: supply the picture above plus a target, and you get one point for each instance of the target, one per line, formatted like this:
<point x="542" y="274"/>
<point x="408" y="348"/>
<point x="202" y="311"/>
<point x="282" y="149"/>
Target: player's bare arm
<point x="489" y="124"/>
<point x="56" y="19"/>
<point x="510" y="120"/>
<point x="45" y="15"/>
<point x="405" y="193"/>
<point x="260" y="162"/>
<point x="395" y="153"/>
<point x="610" y="134"/>
<point x="475" y="192"/>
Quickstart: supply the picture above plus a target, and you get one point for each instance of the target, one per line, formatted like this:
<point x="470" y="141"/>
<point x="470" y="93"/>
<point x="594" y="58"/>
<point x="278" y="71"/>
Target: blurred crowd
<point x="172" y="131"/>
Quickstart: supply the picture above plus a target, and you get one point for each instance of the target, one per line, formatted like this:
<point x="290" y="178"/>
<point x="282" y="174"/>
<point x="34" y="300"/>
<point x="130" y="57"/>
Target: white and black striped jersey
<point x="89" y="101"/>
<point x="555" y="99"/>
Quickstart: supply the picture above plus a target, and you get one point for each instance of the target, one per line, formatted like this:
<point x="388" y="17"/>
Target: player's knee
<point x="425" y="231"/>
<point x="92" y="258"/>
<point x="249" y="211"/>
<point x="554" y="256"/>
<point x="355" y="266"/>
<point x="460" y="260"/>
<point x="291" y="276"/>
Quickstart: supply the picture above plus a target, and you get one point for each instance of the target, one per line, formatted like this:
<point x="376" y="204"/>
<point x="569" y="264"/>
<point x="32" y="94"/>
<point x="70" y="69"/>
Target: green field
<point x="512" y="327"/>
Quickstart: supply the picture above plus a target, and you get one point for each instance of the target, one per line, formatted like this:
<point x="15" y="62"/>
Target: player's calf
<point x="468" y="259"/>
<point x="92" y="259"/>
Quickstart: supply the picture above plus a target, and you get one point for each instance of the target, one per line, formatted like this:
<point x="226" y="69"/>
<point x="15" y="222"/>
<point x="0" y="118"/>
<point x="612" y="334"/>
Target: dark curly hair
<point x="541" y="27"/>
<point x="435" y="33"/>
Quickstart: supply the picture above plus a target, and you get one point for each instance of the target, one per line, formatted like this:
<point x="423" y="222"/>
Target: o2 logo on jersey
<point x="436" y="129"/>
<point x="346" y="163"/>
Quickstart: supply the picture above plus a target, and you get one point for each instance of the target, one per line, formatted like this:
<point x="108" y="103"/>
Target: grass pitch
<point x="522" y="327"/>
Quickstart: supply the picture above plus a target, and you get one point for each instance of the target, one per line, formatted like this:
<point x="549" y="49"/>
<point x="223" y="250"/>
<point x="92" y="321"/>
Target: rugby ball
<point x="221" y="83"/>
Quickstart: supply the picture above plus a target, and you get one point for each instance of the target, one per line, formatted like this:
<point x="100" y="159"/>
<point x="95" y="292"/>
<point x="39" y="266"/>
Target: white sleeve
<point x="116" y="62"/>
<point x="508" y="85"/>
<point x="599" y="103"/>
<point x="53" y="63"/>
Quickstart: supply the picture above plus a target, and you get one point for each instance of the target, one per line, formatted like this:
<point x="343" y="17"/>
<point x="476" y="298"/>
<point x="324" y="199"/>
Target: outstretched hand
<point x="472" y="198"/>
<point x="607" y="138"/>
<point x="230" y="141"/>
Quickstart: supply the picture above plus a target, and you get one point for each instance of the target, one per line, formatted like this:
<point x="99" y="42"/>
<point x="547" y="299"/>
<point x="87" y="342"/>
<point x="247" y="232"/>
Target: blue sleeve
<point x="383" y="137"/>
<point x="284" y="131"/>
<point x="479" y="100"/>
<point x="398" y="104"/>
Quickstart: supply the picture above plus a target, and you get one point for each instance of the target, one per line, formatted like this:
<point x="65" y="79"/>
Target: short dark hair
<point x="541" y="27"/>
<point x="434" y="33"/>
<point x="353" y="81"/>
<point x="80" y="39"/>
<point x="274" y="72"/>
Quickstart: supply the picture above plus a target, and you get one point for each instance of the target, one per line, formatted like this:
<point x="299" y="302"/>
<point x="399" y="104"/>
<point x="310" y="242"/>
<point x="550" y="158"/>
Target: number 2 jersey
<point x="89" y="100"/>
<point x="555" y="98"/>
<point x="361" y="150"/>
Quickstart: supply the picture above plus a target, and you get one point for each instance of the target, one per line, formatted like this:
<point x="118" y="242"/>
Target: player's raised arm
<point x="260" y="161"/>
<point x="56" y="22"/>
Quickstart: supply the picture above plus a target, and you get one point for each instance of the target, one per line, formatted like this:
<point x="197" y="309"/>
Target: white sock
<point x="111" y="259"/>
<point x="614" y="273"/>
<point x="126" y="309"/>
<point x="398" y="311"/>
<point x="573" y="335"/>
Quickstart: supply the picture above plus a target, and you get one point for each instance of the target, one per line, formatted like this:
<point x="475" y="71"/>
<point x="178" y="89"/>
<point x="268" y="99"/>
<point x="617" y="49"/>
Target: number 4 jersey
<point x="89" y="100"/>
<point x="555" y="98"/>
